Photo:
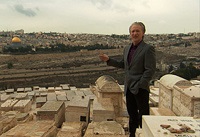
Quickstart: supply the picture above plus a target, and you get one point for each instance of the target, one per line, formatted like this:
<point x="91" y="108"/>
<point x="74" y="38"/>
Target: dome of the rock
<point x="16" y="40"/>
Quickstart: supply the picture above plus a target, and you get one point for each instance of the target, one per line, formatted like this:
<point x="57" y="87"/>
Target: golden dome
<point x="16" y="40"/>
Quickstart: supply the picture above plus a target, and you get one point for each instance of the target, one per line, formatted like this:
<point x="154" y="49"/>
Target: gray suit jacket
<point x="141" y="69"/>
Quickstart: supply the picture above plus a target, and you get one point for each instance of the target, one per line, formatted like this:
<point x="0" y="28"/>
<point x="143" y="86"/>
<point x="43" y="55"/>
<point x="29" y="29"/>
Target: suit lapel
<point x="137" y="52"/>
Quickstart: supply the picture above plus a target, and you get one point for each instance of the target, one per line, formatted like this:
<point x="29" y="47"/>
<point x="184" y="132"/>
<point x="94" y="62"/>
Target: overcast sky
<point x="100" y="16"/>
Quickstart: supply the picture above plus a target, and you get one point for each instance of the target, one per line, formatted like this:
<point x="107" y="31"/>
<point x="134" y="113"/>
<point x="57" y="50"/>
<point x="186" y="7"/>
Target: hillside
<point x="79" y="68"/>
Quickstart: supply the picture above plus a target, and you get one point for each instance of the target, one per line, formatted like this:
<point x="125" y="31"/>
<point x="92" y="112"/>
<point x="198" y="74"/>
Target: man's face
<point x="136" y="34"/>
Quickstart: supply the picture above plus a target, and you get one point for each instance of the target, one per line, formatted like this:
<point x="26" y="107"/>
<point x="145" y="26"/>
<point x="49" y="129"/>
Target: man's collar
<point x="137" y="44"/>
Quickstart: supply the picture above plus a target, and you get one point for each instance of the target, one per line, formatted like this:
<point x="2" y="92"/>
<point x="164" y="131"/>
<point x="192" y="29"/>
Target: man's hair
<point x="138" y="23"/>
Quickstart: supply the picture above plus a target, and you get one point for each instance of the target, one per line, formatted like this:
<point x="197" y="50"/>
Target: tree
<point x="188" y="72"/>
<point x="9" y="65"/>
<point x="170" y="68"/>
<point x="182" y="65"/>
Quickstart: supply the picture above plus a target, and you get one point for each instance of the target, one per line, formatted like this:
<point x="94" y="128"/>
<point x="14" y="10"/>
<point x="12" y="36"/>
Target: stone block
<point x="154" y="100"/>
<point x="36" y="87"/>
<point x="22" y="116"/>
<point x="61" y="98"/>
<point x="52" y="110"/>
<point x="8" y="105"/>
<point x="40" y="101"/>
<point x="186" y="102"/>
<point x="78" y="110"/>
<point x="33" y="129"/>
<point x="105" y="129"/>
<point x="6" y="123"/>
<point x="183" y="101"/>
<point x="22" y="96"/>
<point x="27" y="89"/>
<point x="103" y="112"/>
<point x="51" y="89"/>
<point x="9" y="91"/>
<point x="72" y="129"/>
<point x="58" y="88"/>
<point x="23" y="106"/>
<point x="4" y="97"/>
<point x="165" y="97"/>
<point x="19" y="90"/>
<point x="70" y="94"/>
<point x="161" y="111"/>
<point x="51" y="97"/>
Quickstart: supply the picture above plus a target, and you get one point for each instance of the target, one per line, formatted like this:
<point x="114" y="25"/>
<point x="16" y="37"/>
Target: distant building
<point x="15" y="45"/>
<point x="21" y="31"/>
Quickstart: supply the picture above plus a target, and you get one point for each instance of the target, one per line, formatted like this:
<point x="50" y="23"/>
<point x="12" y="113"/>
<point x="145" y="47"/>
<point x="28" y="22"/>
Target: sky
<point x="100" y="16"/>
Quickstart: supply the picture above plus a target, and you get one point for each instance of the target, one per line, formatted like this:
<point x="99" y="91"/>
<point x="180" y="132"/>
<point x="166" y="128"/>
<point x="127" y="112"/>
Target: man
<point x="139" y="63"/>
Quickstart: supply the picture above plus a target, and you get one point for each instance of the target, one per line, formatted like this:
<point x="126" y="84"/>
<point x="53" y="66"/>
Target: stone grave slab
<point x="152" y="126"/>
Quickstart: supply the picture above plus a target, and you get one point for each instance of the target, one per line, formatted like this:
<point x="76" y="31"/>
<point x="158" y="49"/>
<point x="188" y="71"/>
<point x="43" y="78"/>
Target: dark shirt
<point x="132" y="51"/>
